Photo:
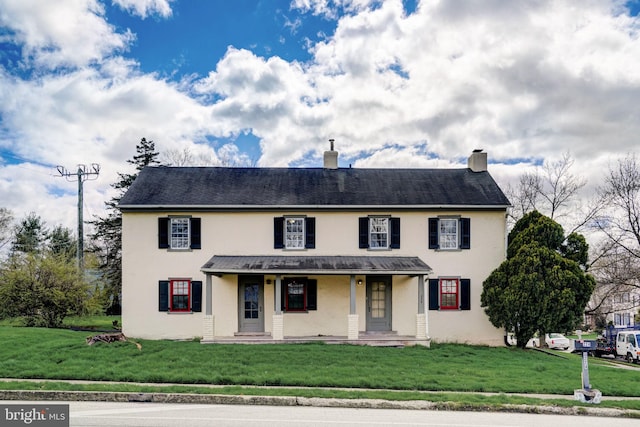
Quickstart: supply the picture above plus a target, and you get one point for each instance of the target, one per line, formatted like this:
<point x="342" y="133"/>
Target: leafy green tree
<point x="30" y="235"/>
<point x="106" y="241"/>
<point x="42" y="288"/>
<point x="541" y="286"/>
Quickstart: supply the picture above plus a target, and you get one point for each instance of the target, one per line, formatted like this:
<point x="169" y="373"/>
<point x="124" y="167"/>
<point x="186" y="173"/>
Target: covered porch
<point x="346" y="274"/>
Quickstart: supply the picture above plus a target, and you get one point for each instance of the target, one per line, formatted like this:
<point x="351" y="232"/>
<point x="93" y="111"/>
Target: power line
<point x="82" y="174"/>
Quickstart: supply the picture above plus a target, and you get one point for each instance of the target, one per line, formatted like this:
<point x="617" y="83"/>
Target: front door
<point x="378" y="303"/>
<point x="251" y="304"/>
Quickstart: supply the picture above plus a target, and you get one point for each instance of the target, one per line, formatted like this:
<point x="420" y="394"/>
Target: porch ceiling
<point x="318" y="265"/>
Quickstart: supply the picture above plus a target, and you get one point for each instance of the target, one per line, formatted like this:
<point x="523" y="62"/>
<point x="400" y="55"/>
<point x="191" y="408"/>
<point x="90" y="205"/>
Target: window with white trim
<point x="378" y="233"/>
<point x="294" y="233"/>
<point x="179" y="237"/>
<point x="179" y="233"/>
<point x="448" y="233"/>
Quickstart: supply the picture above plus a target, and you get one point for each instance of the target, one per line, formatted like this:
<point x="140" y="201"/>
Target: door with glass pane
<point x="378" y="303"/>
<point x="251" y="304"/>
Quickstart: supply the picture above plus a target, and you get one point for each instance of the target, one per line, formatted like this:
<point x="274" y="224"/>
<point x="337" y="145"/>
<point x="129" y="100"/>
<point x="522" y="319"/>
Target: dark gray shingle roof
<point x="319" y="187"/>
<point x="270" y="264"/>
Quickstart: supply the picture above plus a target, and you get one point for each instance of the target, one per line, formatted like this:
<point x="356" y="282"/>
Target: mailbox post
<point x="586" y="393"/>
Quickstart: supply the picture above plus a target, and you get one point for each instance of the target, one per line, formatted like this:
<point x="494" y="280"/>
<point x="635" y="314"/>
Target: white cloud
<point x="144" y="8"/>
<point x="526" y="81"/>
<point x="61" y="33"/>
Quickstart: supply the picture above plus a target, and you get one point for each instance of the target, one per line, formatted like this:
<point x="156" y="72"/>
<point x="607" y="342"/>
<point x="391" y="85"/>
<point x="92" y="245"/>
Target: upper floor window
<point x="294" y="232"/>
<point x="622" y="319"/>
<point x="179" y="233"/>
<point x="180" y="295"/>
<point x="447" y="233"/>
<point x="377" y="232"/>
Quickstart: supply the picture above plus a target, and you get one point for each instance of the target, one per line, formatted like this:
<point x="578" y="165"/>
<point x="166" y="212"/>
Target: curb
<point x="218" y="399"/>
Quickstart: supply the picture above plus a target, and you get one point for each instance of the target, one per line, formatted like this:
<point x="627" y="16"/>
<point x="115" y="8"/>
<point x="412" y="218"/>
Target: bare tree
<point x="6" y="231"/>
<point x="228" y="156"/>
<point x="553" y="190"/>
<point x="617" y="266"/>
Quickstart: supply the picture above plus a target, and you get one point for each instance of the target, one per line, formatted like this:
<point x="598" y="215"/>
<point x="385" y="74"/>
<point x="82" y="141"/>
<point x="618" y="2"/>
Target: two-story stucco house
<point x="295" y="254"/>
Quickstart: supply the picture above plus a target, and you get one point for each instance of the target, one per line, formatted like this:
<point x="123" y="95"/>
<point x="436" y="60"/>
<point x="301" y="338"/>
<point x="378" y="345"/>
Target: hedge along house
<point x="296" y="254"/>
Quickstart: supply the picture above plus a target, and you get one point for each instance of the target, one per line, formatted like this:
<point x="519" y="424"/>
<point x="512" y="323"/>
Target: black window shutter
<point x="363" y="228"/>
<point x="196" y="296"/>
<point x="283" y="296"/>
<point x="434" y="293"/>
<point x="196" y="235"/>
<point x="433" y="233"/>
<point x="163" y="295"/>
<point x="163" y="233"/>
<point x="465" y="294"/>
<point x="312" y="294"/>
<point x="465" y="233"/>
<point x="278" y="232"/>
<point x="310" y="233"/>
<point x="395" y="233"/>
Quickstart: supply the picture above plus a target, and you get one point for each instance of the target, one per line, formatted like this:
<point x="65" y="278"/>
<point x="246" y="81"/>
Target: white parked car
<point x="554" y="341"/>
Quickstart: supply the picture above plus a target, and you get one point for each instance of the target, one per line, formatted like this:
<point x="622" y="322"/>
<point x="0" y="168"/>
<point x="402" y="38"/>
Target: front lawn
<point x="63" y="354"/>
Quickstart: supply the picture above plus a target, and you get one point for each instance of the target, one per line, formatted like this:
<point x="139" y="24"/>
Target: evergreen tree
<point x="106" y="241"/>
<point x="542" y="286"/>
<point x="29" y="236"/>
<point x="62" y="242"/>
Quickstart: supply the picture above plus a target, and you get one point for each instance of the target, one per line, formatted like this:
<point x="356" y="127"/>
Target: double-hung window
<point x="180" y="295"/>
<point x="449" y="233"/>
<point x="379" y="232"/>
<point x="179" y="233"/>
<point x="294" y="232"/>
<point x="449" y="293"/>
<point x="449" y="289"/>
<point x="299" y="294"/>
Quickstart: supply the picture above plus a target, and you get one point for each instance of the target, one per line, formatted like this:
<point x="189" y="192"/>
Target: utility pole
<point x="83" y="174"/>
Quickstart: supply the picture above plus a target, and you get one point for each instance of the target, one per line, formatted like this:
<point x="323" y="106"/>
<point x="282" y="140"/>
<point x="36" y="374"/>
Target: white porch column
<point x="422" y="322"/>
<point x="277" y="329"/>
<point x="208" y="320"/>
<point x="352" y="331"/>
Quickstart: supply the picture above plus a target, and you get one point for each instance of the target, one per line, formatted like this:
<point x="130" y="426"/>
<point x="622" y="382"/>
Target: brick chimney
<point x="331" y="157"/>
<point x="477" y="161"/>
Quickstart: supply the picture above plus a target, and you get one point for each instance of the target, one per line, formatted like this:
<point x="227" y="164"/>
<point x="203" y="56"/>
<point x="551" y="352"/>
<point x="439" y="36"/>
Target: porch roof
<point x="320" y="265"/>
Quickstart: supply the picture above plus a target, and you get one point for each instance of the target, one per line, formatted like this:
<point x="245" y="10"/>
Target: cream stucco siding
<point x="251" y="233"/>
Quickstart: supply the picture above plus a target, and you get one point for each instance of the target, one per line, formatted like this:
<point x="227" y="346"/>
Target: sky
<point x="268" y="82"/>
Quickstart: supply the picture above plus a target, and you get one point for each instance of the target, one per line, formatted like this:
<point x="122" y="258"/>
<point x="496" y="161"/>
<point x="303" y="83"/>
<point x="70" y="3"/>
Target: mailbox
<point x="584" y="345"/>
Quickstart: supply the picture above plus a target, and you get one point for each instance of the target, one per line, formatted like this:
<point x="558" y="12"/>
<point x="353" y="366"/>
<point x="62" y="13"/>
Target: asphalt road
<point x="160" y="415"/>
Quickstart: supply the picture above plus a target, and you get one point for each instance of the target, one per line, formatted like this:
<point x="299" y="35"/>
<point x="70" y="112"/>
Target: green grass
<point x="83" y="322"/>
<point x="63" y="354"/>
<point x="443" y="374"/>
